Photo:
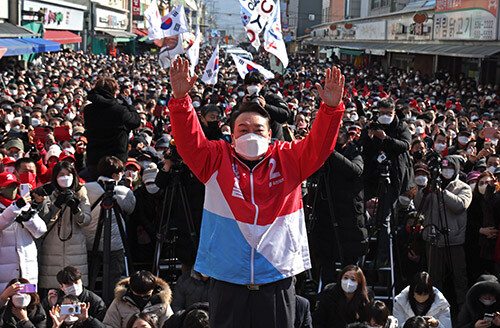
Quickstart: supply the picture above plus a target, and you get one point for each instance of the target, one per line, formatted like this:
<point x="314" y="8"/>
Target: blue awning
<point x="16" y="47"/>
<point x="42" y="45"/>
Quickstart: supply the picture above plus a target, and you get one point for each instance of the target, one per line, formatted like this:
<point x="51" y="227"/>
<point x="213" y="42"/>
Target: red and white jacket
<point x="253" y="229"/>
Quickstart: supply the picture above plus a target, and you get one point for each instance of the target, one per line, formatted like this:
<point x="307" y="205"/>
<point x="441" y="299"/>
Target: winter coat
<point x="189" y="289"/>
<point x="37" y="318"/>
<point x="107" y="126"/>
<point x="473" y="310"/>
<point x="396" y="147"/>
<point x="343" y="171"/>
<point x="303" y="317"/>
<point x="440" y="308"/>
<point x="457" y="196"/>
<point x="56" y="254"/>
<point x="125" y="199"/>
<point x="123" y="307"/>
<point x="253" y="229"/>
<point x="18" y="252"/>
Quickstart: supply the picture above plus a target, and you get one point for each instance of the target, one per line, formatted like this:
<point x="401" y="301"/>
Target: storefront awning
<point x="62" y="37"/>
<point x="351" y="52"/>
<point x="42" y="45"/>
<point x="442" y="49"/>
<point x="16" y="47"/>
<point x="8" y="30"/>
<point x="118" y="33"/>
<point x="140" y="32"/>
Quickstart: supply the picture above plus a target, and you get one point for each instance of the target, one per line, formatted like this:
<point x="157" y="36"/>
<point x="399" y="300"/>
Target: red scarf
<point x="7" y="202"/>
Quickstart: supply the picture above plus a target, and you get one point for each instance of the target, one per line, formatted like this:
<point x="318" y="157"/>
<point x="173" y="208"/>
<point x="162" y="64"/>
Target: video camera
<point x="172" y="154"/>
<point x="434" y="160"/>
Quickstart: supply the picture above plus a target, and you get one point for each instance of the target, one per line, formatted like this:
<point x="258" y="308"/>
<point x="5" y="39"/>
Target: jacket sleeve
<point x="8" y="216"/>
<point x="459" y="200"/>
<point x="399" y="313"/>
<point x="352" y="168"/>
<point x="178" y="299"/>
<point x="201" y="155"/>
<point x="126" y="200"/>
<point x="309" y="154"/>
<point x="131" y="118"/>
<point x="97" y="307"/>
<point x="396" y="146"/>
<point x="36" y="226"/>
<point x="113" y="318"/>
<point x="83" y="217"/>
<point x="444" y="318"/>
<point x="465" y="320"/>
<point x="277" y="108"/>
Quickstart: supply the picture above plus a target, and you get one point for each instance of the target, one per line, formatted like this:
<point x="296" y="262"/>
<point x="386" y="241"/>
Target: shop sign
<point x="110" y="19"/>
<point x="56" y="17"/>
<point x="370" y="31"/>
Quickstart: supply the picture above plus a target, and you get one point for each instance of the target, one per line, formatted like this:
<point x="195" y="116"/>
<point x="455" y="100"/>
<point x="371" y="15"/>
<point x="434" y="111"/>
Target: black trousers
<point x="272" y="306"/>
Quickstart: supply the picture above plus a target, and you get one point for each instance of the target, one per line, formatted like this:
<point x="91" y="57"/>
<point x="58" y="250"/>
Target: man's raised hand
<point x="333" y="90"/>
<point x="180" y="80"/>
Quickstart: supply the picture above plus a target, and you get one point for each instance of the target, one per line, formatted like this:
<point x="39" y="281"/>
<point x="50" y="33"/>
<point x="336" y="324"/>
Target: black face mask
<point x="141" y="301"/>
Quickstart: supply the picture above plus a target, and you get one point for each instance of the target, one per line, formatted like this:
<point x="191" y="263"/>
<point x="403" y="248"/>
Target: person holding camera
<point x="19" y="227"/>
<point x="275" y="106"/>
<point x="420" y="298"/>
<point x="443" y="201"/>
<point x="66" y="210"/>
<point x="482" y="307"/>
<point x="107" y="124"/>
<point x="19" y="308"/>
<point x="110" y="170"/>
<point x="79" y="317"/>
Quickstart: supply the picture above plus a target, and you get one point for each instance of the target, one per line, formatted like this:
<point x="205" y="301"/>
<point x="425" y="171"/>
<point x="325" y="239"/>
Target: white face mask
<point x="463" y="140"/>
<point x="487" y="302"/>
<point x="71" y="319"/>
<point x="196" y="104"/>
<point x="133" y="174"/>
<point x="253" y="89"/>
<point x="491" y="169"/>
<point x="421" y="180"/>
<point x="70" y="116"/>
<point x="152" y="188"/>
<point x="349" y="286"/>
<point x="354" y="117"/>
<point x="448" y="173"/>
<point x="405" y="201"/>
<point x="472" y="185"/>
<point x="419" y="130"/>
<point x="13" y="92"/>
<point x="35" y="122"/>
<point x="241" y="93"/>
<point x="9" y="117"/>
<point x="59" y="106"/>
<point x="482" y="189"/>
<point x="385" y="119"/>
<point x="21" y="300"/>
<point x="440" y="146"/>
<point x="75" y="289"/>
<point x="65" y="181"/>
<point x="251" y="146"/>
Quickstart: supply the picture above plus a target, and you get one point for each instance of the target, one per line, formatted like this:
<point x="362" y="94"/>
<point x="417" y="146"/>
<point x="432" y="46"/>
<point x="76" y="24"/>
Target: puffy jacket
<point x="56" y="254"/>
<point x="123" y="307"/>
<point x="189" y="289"/>
<point x="440" y="308"/>
<point x="18" y="252"/>
<point x="37" y="318"/>
<point x="125" y="199"/>
<point x="107" y="125"/>
<point x="473" y="310"/>
<point x="253" y="229"/>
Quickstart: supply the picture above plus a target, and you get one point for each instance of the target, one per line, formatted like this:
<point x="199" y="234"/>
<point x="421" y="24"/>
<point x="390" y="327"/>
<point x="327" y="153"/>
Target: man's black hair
<point x="254" y="77"/>
<point x="109" y="165"/>
<point x="196" y="318"/>
<point x="416" y="322"/>
<point x="210" y="108"/>
<point x="22" y="160"/>
<point x="69" y="275"/>
<point x="249" y="107"/>
<point x="142" y="282"/>
<point x="386" y="103"/>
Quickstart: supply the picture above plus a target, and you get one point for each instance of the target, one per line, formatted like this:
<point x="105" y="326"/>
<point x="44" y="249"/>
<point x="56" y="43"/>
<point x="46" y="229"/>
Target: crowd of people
<point x="416" y="163"/>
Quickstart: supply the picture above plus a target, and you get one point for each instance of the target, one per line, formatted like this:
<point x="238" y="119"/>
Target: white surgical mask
<point x="474" y="117"/>
<point x="35" y="122"/>
<point x="472" y="185"/>
<point x="419" y="130"/>
<point x="491" y="169"/>
<point x="354" y="117"/>
<point x="253" y="89"/>
<point x="9" y="117"/>
<point x="59" y="106"/>
<point x="21" y="300"/>
<point x="482" y="189"/>
<point x="71" y="319"/>
<point x="448" y="173"/>
<point x="70" y="116"/>
<point x="349" y="286"/>
<point x="196" y="104"/>
<point x="421" y="180"/>
<point x="13" y="92"/>
<point x="251" y="145"/>
<point x="152" y="188"/>
<point x="440" y="146"/>
<point x="75" y="289"/>
<point x="463" y="140"/>
<point x="385" y="119"/>
<point x="65" y="181"/>
<point x="241" y="93"/>
<point x="487" y="302"/>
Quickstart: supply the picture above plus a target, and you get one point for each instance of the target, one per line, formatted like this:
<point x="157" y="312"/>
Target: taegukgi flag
<point x="174" y="22"/>
<point x="193" y="52"/>
<point x="212" y="68"/>
<point x="244" y="66"/>
<point x="273" y="38"/>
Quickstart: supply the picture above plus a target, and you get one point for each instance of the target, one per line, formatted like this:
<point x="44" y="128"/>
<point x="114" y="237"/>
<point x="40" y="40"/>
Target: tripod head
<point x="109" y="191"/>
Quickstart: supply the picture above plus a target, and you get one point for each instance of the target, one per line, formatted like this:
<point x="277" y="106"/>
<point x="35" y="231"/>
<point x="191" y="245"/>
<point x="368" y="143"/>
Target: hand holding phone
<point x="27" y="288"/>
<point x="24" y="189"/>
<point x="69" y="309"/>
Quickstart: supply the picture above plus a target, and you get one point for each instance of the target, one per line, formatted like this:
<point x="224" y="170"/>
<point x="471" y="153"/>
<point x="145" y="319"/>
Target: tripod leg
<point x="94" y="262"/>
<point x="129" y="266"/>
<point x="163" y="230"/>
<point x="189" y="217"/>
<point x="106" y="293"/>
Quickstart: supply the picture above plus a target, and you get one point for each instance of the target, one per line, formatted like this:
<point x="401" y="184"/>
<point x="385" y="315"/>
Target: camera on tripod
<point x="434" y="161"/>
<point x="172" y="154"/>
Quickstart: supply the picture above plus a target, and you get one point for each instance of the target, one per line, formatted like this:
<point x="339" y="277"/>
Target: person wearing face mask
<point x="482" y="224"/>
<point x="15" y="148"/>
<point x="420" y="298"/>
<point x="210" y="121"/>
<point x="461" y="142"/>
<point x="142" y="292"/>
<point x="21" y="310"/>
<point x="344" y="302"/>
<point x="446" y="213"/>
<point x="482" y="298"/>
<point x="81" y="320"/>
<point x="275" y="106"/>
<point x="110" y="170"/>
<point x="18" y="230"/>
<point x="253" y="194"/>
<point x="70" y="284"/>
<point x="141" y="224"/>
<point x="132" y="173"/>
<point x="66" y="211"/>
<point x="418" y="150"/>
<point x="342" y="173"/>
<point x="107" y="125"/>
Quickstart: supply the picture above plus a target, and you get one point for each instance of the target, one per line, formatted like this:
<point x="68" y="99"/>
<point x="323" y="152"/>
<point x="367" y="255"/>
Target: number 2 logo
<point x="272" y="173"/>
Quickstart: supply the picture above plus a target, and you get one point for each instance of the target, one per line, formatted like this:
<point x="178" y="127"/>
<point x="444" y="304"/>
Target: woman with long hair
<point x="344" y="302"/>
<point x="420" y="298"/>
<point x="20" y="309"/>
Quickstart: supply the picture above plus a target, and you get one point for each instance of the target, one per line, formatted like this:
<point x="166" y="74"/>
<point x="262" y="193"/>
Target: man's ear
<point x="269" y="135"/>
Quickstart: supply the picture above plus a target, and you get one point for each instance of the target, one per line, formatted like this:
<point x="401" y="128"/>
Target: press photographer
<point x="443" y="202"/>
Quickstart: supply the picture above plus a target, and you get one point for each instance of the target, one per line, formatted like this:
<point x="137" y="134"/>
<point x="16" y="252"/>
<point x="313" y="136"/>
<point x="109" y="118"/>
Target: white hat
<point x="54" y="150"/>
